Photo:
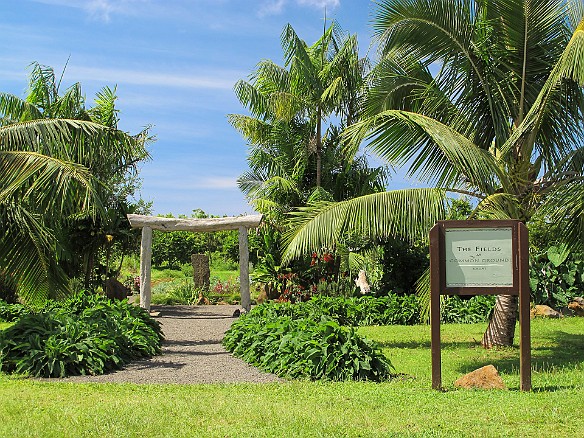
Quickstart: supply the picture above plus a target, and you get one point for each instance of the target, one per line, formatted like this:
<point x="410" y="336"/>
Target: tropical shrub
<point x="305" y="348"/>
<point x="467" y="311"/>
<point x="11" y="312"/>
<point x="367" y="310"/>
<point x="177" y="293"/>
<point x="556" y="276"/>
<point x="393" y="309"/>
<point x="86" y="334"/>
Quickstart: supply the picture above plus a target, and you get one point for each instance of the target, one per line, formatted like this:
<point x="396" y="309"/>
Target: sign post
<point x="480" y="258"/>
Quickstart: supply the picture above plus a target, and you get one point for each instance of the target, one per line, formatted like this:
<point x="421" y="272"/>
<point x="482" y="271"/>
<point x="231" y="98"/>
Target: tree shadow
<point x="412" y="345"/>
<point x="564" y="350"/>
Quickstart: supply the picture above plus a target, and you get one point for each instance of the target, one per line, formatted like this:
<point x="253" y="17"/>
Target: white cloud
<point x="185" y="185"/>
<point x="320" y="3"/>
<point x="276" y="7"/>
<point x="222" y="79"/>
<point x="272" y="7"/>
<point x="99" y="9"/>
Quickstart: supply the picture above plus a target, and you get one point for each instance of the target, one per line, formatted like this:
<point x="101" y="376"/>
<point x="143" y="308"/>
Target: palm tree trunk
<point x="501" y="328"/>
<point x="318" y="148"/>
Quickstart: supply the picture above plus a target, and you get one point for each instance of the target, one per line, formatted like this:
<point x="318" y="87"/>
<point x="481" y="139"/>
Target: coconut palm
<point x="499" y="121"/>
<point x="54" y="166"/>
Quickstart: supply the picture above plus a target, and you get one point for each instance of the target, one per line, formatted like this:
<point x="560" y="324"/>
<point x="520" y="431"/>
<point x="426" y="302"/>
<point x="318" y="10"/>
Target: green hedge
<point x="87" y="334"/>
<point x="304" y="348"/>
<point x="316" y="339"/>
<point x="387" y="310"/>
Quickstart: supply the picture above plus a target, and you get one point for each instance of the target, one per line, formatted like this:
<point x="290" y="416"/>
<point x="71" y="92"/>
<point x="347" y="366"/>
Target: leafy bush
<point x="392" y="309"/>
<point x="305" y="348"/>
<point x="86" y="334"/>
<point x="556" y="276"/>
<point x="177" y="293"/>
<point x="367" y="310"/>
<point x="11" y="312"/>
<point x="461" y="311"/>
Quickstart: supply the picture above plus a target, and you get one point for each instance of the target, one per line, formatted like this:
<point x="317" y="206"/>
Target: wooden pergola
<point x="207" y="225"/>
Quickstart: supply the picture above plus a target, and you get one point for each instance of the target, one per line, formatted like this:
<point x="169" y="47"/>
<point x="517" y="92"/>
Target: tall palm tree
<point x="500" y="121"/>
<point x="289" y="108"/>
<point x="54" y="164"/>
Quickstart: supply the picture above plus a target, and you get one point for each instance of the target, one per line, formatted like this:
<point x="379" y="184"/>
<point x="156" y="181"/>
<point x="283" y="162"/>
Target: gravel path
<point x="191" y="353"/>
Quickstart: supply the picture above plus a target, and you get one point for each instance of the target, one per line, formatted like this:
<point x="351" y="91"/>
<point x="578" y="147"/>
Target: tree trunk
<point x="501" y="328"/>
<point x="318" y="148"/>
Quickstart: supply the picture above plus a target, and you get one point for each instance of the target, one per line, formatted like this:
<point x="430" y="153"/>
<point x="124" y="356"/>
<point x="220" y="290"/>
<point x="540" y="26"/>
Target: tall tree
<point x="293" y="156"/>
<point x="500" y="121"/>
<point x="57" y="161"/>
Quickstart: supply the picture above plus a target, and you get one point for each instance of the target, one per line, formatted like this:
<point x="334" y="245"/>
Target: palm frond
<point x="14" y="109"/>
<point x="48" y="182"/>
<point x="569" y="67"/>
<point x="438" y="154"/>
<point x="407" y="213"/>
<point x="563" y="210"/>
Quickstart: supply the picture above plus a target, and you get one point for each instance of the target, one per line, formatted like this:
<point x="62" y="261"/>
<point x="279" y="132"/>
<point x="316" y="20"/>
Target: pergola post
<point x="244" y="269"/>
<point x="145" y="263"/>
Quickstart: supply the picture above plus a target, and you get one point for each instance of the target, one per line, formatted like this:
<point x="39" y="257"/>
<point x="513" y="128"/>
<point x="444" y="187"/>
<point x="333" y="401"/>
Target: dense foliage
<point x="386" y="310"/>
<point x="86" y="334"/>
<point x="175" y="248"/>
<point x="556" y="276"/>
<point x="67" y="174"/>
<point x="10" y="312"/>
<point x="305" y="348"/>
<point x="315" y="339"/>
<point x="479" y="98"/>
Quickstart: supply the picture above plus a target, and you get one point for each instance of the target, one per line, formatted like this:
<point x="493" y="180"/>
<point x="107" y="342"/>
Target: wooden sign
<point x="480" y="258"/>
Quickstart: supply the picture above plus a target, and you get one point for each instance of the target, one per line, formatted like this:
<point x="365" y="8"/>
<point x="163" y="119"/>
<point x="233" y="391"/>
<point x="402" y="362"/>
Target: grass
<point x="224" y="276"/>
<point x="404" y="407"/>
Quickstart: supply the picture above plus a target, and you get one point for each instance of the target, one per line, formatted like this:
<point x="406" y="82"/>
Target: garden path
<point x="191" y="353"/>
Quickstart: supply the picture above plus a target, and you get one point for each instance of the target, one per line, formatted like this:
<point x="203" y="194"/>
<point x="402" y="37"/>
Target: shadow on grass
<point x="564" y="350"/>
<point x="561" y="350"/>
<point x="412" y="345"/>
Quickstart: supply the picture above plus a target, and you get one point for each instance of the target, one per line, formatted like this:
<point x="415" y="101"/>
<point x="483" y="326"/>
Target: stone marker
<point x="201" y="271"/>
<point x="486" y="377"/>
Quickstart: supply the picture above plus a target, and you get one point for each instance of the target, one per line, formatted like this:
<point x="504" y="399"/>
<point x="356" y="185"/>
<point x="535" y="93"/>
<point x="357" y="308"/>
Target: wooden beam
<point x="435" y="286"/>
<point x="244" y="269"/>
<point x="201" y="225"/>
<point x="145" y="263"/>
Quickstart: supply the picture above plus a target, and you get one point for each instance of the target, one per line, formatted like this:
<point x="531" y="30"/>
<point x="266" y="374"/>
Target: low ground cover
<point x="85" y="334"/>
<point x="402" y="407"/>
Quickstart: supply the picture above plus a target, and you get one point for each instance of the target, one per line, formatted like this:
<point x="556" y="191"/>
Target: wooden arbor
<point x="149" y="223"/>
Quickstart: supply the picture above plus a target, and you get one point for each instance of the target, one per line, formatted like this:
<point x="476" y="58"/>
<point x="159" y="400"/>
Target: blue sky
<point x="174" y="63"/>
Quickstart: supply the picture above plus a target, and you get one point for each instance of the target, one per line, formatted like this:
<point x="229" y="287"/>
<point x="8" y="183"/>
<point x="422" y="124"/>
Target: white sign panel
<point x="479" y="257"/>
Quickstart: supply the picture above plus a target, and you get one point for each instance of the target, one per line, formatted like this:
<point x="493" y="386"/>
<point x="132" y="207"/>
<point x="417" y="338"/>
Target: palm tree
<point x="54" y="164"/>
<point x="292" y="157"/>
<point x="500" y="121"/>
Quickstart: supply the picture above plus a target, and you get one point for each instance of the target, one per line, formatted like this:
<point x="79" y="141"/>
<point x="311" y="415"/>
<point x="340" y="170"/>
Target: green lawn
<point x="406" y="407"/>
